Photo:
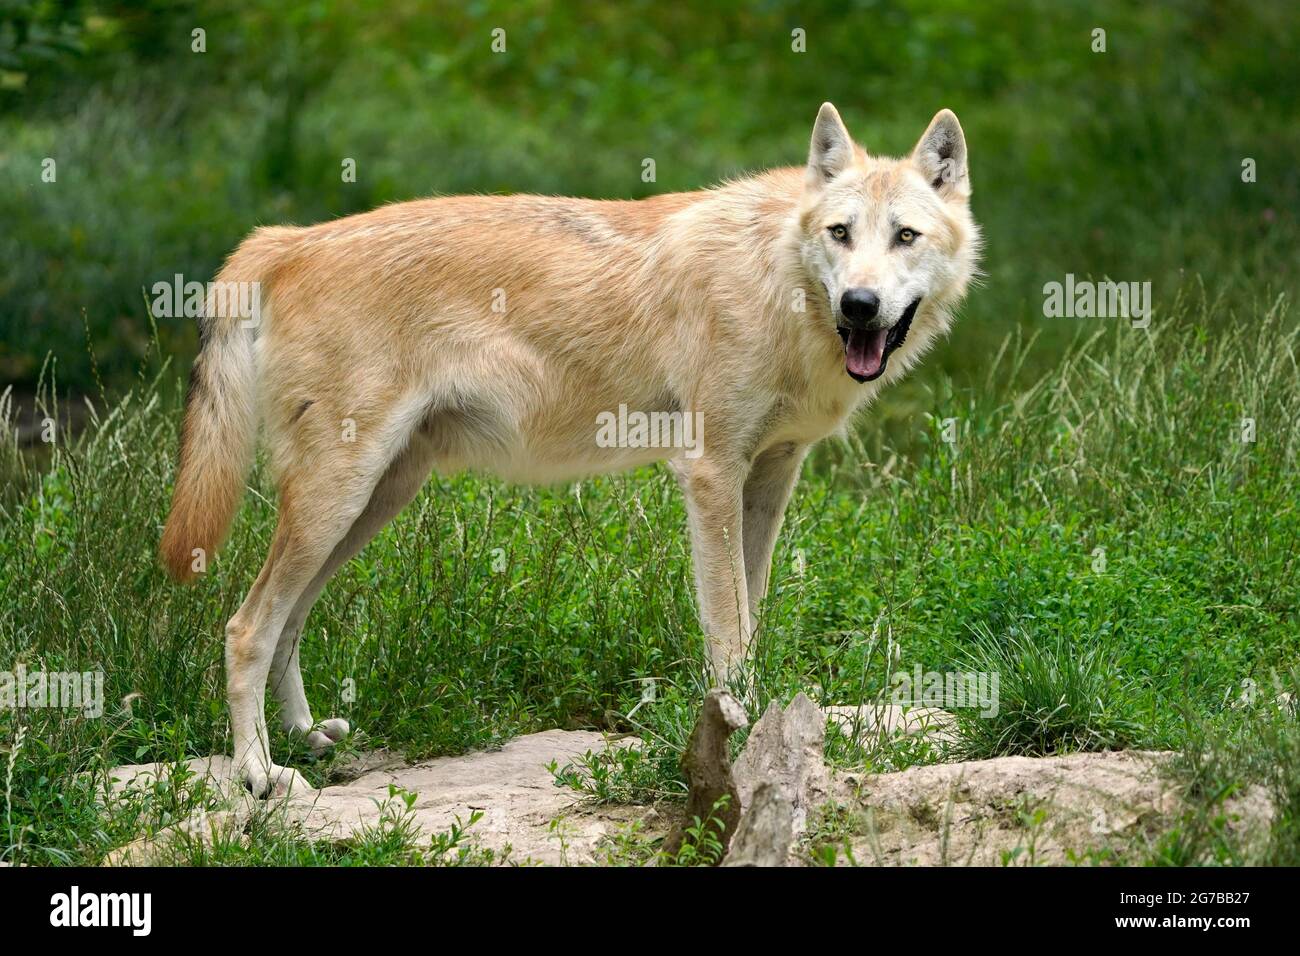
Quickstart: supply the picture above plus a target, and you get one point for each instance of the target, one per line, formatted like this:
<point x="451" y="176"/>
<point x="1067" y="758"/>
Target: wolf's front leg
<point x="767" y="492"/>
<point x="714" y="500"/>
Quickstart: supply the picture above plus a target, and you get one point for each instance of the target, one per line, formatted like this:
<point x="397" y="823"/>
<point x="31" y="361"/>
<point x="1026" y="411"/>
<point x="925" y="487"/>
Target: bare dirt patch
<point x="1080" y="808"/>
<point x="522" y="808"/>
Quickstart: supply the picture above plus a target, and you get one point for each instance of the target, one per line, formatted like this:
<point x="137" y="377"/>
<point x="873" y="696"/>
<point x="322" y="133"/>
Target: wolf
<point x="493" y="332"/>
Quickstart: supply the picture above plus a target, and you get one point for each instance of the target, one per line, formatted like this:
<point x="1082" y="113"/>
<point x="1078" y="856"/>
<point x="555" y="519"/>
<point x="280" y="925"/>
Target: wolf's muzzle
<point x="867" y="350"/>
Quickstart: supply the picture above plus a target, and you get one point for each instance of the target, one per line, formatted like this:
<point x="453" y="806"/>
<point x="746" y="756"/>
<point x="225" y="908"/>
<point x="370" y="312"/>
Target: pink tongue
<point x="865" y="351"/>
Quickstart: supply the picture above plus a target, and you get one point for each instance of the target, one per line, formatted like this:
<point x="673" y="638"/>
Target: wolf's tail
<point x="220" y="428"/>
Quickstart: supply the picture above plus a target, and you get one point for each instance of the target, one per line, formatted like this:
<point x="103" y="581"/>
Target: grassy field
<point x="1101" y="535"/>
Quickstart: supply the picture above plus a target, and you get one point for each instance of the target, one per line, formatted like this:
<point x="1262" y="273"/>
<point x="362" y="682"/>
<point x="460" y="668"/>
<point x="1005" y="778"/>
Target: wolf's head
<point x="891" y="241"/>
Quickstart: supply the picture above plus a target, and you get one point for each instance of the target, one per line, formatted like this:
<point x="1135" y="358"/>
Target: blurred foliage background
<point x="1124" y="164"/>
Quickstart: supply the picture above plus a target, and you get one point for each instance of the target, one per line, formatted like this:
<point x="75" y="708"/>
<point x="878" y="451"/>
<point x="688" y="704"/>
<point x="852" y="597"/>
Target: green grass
<point x="981" y="551"/>
<point x="1054" y="696"/>
<point x="1250" y="749"/>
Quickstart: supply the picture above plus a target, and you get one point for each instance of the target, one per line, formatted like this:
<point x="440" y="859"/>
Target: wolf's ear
<point x="832" y="148"/>
<point x="941" y="156"/>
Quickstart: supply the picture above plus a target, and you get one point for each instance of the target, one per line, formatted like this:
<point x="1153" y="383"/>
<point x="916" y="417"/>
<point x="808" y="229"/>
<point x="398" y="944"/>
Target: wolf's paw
<point x="326" y="734"/>
<point x="265" y="783"/>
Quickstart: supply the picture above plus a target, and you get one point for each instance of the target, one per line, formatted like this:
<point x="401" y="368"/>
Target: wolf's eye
<point x="907" y="236"/>
<point x="840" y="233"/>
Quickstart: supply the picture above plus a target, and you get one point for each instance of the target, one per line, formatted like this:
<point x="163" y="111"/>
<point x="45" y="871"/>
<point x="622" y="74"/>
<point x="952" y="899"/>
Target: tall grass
<point x="1053" y="697"/>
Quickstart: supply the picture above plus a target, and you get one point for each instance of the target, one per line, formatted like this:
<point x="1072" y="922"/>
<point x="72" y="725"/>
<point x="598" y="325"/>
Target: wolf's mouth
<point x="867" y="351"/>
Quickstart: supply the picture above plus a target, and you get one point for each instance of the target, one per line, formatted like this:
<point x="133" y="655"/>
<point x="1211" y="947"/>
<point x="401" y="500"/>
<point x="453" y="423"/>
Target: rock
<point x="765" y="832"/>
<point x="707" y="765"/>
<point x="780" y="778"/>
<point x="1095" y="807"/>
<point x="785" y="749"/>
<point x="351" y="766"/>
<point x="1008" y="809"/>
<point x="207" y="828"/>
<point x="512" y="787"/>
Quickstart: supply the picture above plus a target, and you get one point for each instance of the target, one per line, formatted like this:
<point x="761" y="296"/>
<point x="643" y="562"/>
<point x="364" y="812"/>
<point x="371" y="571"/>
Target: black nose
<point x="859" y="305"/>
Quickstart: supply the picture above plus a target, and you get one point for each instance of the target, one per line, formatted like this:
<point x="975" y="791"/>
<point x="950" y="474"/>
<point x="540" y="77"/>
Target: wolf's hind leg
<point x="401" y="482"/>
<point x="317" y="507"/>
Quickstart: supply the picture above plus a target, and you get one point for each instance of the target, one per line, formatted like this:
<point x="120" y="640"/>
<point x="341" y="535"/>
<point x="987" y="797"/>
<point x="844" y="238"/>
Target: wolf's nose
<point x="859" y="306"/>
